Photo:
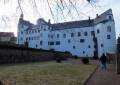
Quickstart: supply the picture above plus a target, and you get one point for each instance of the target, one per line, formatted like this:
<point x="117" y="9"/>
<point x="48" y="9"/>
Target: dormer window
<point x="110" y="17"/>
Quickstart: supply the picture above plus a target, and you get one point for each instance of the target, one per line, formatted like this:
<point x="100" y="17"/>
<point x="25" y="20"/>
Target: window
<point x="41" y="42"/>
<point x="64" y="35"/>
<point x="101" y="45"/>
<point x="39" y="31"/>
<point x="44" y="29"/>
<point x="51" y="43"/>
<point x="41" y="27"/>
<point x="48" y="43"/>
<point x="98" y="31"/>
<point x="82" y="40"/>
<point x="72" y="34"/>
<point x="92" y="33"/>
<point x="32" y="31"/>
<point x="108" y="37"/>
<point x="29" y="38"/>
<point x="83" y="52"/>
<point x="74" y="47"/>
<point x="51" y="36"/>
<point x="36" y="45"/>
<point x="57" y="42"/>
<point x="79" y="33"/>
<point x="110" y="17"/>
<point x="57" y="35"/>
<point x="69" y="41"/>
<point x="85" y="33"/>
<point x="89" y="46"/>
<point x="108" y="28"/>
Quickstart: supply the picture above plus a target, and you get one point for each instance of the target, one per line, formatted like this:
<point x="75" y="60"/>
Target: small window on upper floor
<point x="41" y="26"/>
<point x="108" y="37"/>
<point x="29" y="38"/>
<point x="51" y="36"/>
<point x="72" y="34"/>
<point x="39" y="31"/>
<point x="82" y="40"/>
<point x="101" y="45"/>
<point x="98" y="31"/>
<point x="44" y="29"/>
<point x="89" y="46"/>
<point x="57" y="35"/>
<point x="79" y="33"/>
<point x="85" y="33"/>
<point x="69" y="40"/>
<point x="110" y="17"/>
<point x="108" y="28"/>
<point x="92" y="33"/>
<point x="64" y="35"/>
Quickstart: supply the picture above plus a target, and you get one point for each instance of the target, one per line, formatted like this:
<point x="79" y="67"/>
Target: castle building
<point x="91" y="37"/>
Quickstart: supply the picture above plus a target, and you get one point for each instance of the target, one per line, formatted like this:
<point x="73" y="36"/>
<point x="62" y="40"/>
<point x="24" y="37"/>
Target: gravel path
<point x="102" y="77"/>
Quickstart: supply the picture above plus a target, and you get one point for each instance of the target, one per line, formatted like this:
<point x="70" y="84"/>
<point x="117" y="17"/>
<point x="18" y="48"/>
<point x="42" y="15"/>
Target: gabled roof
<point x="102" y="17"/>
<point x="82" y="23"/>
<point x="73" y="24"/>
<point x="6" y="34"/>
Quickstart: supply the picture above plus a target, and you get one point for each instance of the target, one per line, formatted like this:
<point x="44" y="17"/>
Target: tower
<point x="20" y="25"/>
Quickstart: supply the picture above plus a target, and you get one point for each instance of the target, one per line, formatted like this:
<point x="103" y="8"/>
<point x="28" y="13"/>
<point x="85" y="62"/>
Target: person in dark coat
<point x="103" y="60"/>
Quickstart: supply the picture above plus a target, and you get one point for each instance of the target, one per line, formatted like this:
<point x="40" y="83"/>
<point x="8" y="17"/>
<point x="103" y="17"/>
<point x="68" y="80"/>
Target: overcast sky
<point x="9" y="13"/>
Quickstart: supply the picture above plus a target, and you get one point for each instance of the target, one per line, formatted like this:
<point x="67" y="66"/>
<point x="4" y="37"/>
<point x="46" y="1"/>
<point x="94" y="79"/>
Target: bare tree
<point x="59" y="9"/>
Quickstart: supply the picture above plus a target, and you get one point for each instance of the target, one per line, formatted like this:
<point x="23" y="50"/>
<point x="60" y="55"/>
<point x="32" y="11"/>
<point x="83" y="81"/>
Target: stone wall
<point x="11" y="54"/>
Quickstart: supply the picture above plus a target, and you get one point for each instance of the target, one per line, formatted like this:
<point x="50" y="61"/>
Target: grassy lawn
<point x="45" y="73"/>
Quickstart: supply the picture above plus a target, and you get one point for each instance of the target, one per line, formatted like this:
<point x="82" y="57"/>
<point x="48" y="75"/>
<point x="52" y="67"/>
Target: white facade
<point x="76" y="37"/>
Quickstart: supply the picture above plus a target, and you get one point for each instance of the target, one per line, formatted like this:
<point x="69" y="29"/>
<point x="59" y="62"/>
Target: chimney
<point x="49" y="21"/>
<point x="89" y="18"/>
<point x="97" y="16"/>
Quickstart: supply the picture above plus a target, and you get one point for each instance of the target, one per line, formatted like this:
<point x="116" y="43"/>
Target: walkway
<point x="101" y="77"/>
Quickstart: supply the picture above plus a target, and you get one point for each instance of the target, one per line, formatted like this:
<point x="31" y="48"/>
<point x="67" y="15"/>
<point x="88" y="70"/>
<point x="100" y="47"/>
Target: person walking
<point x="103" y="60"/>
